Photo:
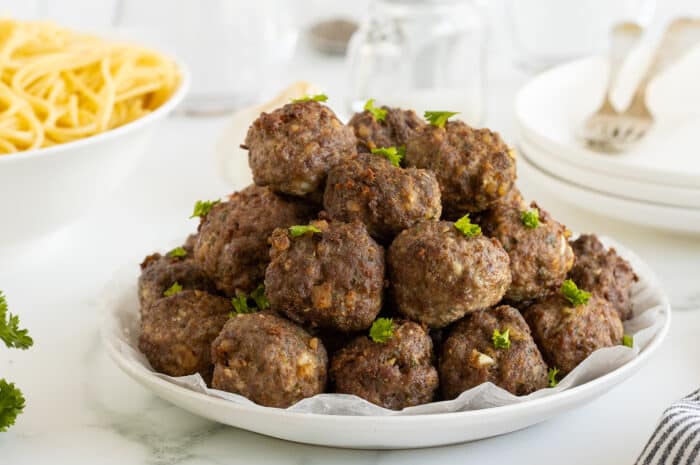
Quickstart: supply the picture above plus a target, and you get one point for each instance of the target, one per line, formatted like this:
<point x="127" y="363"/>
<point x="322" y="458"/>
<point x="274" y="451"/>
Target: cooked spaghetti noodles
<point x="57" y="85"/>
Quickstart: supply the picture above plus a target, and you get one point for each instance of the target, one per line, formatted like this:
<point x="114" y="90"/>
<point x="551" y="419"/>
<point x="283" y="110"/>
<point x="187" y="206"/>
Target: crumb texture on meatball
<point x="540" y="257"/>
<point x="394" y="131"/>
<point x="233" y="244"/>
<point x="474" y="167"/>
<point x="396" y="374"/>
<point x="333" y="279"/>
<point x="269" y="360"/>
<point x="566" y="335"/>
<point x="386" y="198"/>
<point x="177" y="331"/>
<point x="604" y="273"/>
<point x="438" y="275"/>
<point x="469" y="357"/>
<point x="291" y="149"/>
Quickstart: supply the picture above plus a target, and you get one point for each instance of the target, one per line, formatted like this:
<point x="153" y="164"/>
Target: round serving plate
<point x="393" y="431"/>
<point x="677" y="219"/>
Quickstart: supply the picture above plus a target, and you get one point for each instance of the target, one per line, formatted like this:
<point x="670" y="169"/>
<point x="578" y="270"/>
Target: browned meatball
<point x="233" y="244"/>
<point x="177" y="331"/>
<point x="393" y="131"/>
<point x="438" y="274"/>
<point x="473" y="166"/>
<point x="540" y="257"/>
<point x="269" y="360"/>
<point x="604" y="272"/>
<point x="386" y="198"/>
<point x="395" y="374"/>
<point x="160" y="272"/>
<point x="332" y="279"/>
<point x="567" y="335"/>
<point x="469" y="356"/>
<point x="292" y="148"/>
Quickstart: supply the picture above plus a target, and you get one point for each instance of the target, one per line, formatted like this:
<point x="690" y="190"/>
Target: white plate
<point x="677" y="219"/>
<point x="552" y="106"/>
<point x="657" y="194"/>
<point x="398" y="430"/>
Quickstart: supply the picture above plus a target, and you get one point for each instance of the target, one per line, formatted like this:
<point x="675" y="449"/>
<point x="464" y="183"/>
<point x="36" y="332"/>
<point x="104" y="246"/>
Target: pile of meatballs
<point x="334" y="237"/>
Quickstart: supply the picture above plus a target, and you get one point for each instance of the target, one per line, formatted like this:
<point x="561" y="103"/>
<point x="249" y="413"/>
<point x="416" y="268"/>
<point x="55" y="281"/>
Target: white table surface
<point x="81" y="410"/>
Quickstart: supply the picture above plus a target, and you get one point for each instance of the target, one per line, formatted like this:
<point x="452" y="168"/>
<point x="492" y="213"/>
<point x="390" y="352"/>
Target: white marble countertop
<point x="82" y="410"/>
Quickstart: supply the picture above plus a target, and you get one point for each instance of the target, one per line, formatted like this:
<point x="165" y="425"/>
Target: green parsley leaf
<point x="395" y="155"/>
<point x="552" y="375"/>
<point x="627" y="340"/>
<point x="172" y="290"/>
<point x="203" y="207"/>
<point x="379" y="114"/>
<point x="466" y="227"/>
<point x="382" y="330"/>
<point x="573" y="294"/>
<point x="439" y="118"/>
<point x="240" y="305"/>
<point x="177" y="252"/>
<point x="11" y="404"/>
<point x="10" y="333"/>
<point x="530" y="218"/>
<point x="301" y="229"/>
<point x="258" y="295"/>
<point x="309" y="98"/>
<point x="501" y="340"/>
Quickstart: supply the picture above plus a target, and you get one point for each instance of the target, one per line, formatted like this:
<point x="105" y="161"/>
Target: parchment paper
<point x="651" y="310"/>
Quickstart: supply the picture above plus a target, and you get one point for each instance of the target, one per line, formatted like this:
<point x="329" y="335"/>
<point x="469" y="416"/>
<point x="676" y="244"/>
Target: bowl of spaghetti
<point x="76" y="112"/>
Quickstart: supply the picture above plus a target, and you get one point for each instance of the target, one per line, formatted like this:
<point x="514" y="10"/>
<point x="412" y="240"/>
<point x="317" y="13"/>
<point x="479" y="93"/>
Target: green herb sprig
<point x="530" y="218"/>
<point x="573" y="294"/>
<point x="466" y="227"/>
<point x="12" y="400"/>
<point x="242" y="303"/>
<point x="439" y="118"/>
<point x="393" y="154"/>
<point x="172" y="290"/>
<point x="382" y="330"/>
<point x="552" y="376"/>
<point x="311" y="98"/>
<point x="301" y="229"/>
<point x="203" y="207"/>
<point x="501" y="340"/>
<point x="178" y="252"/>
<point x="627" y="341"/>
<point x="379" y="114"/>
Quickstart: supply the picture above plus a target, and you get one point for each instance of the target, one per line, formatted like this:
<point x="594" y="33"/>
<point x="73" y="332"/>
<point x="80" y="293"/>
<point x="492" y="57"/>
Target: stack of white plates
<point x="657" y="183"/>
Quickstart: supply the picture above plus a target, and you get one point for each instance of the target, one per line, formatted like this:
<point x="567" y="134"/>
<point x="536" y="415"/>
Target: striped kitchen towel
<point x="676" y="440"/>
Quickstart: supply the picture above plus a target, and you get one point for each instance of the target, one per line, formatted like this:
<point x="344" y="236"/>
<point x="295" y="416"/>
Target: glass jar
<point x="420" y="54"/>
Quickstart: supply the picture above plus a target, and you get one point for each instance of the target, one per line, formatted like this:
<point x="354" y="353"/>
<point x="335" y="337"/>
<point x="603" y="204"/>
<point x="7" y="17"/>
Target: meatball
<point x="540" y="257"/>
<point x="292" y="148"/>
<point x="469" y="356"/>
<point x="386" y="198"/>
<point x="473" y="166"/>
<point x="233" y="244"/>
<point x="269" y="360"/>
<point x="160" y="272"/>
<point x="438" y="274"/>
<point x="568" y="334"/>
<point x="604" y="272"/>
<point x="393" y="131"/>
<point x="177" y="331"/>
<point x="331" y="280"/>
<point x="394" y="374"/>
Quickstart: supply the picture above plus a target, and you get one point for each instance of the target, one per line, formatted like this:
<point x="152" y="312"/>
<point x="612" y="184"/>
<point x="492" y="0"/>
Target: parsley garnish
<point x="301" y="229"/>
<point x="501" y="340"/>
<point x="573" y="294"/>
<point x="530" y="218"/>
<point x="10" y="333"/>
<point x="309" y="98"/>
<point x="439" y="118"/>
<point x="258" y="295"/>
<point x="382" y="330"/>
<point x="627" y="340"/>
<point x="466" y="227"/>
<point x="11" y="404"/>
<point x="177" y="252"/>
<point x="203" y="207"/>
<point x="552" y="375"/>
<point x="379" y="114"/>
<point x="395" y="155"/>
<point x="240" y="305"/>
<point x="172" y="290"/>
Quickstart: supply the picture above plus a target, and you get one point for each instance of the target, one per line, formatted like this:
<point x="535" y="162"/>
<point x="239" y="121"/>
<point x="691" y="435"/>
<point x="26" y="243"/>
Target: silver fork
<point x="596" y="130"/>
<point x="619" y="132"/>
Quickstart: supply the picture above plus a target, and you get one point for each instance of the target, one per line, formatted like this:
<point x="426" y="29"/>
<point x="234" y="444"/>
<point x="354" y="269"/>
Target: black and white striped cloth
<point x="676" y="440"/>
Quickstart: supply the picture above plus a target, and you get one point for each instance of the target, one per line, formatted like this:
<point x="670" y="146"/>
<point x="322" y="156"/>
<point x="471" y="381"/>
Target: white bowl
<point x="44" y="189"/>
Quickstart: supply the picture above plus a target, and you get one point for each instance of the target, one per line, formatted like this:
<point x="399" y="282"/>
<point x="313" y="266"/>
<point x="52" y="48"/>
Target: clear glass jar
<point x="420" y="54"/>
